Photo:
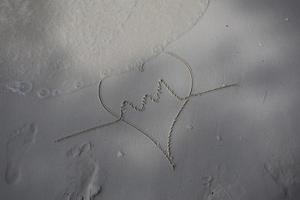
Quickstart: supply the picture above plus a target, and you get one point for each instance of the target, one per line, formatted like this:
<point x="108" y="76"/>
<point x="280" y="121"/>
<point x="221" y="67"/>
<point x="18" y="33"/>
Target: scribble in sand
<point x="16" y="147"/>
<point x="155" y="98"/>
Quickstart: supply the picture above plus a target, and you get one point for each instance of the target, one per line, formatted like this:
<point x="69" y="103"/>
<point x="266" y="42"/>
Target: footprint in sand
<point x="17" y="145"/>
<point x="84" y="178"/>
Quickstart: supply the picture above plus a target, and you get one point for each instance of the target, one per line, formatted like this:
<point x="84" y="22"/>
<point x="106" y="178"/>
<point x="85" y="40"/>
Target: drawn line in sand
<point x="142" y="106"/>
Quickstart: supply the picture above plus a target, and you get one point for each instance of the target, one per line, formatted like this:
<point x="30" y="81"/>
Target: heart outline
<point x="166" y="153"/>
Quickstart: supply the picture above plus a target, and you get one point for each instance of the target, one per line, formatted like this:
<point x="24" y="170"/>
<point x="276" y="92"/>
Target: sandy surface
<point x="197" y="100"/>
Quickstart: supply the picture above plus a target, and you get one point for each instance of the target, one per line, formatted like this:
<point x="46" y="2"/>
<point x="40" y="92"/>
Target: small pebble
<point x="190" y="127"/>
<point x="120" y="154"/>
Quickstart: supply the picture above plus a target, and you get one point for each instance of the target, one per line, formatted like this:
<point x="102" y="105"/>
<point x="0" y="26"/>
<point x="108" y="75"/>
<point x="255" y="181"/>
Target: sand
<point x="153" y="99"/>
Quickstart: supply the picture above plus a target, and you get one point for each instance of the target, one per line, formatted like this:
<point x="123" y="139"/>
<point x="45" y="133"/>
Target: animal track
<point x="155" y="97"/>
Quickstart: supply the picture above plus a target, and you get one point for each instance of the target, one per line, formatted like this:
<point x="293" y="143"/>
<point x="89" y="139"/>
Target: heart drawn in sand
<point x="155" y="97"/>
